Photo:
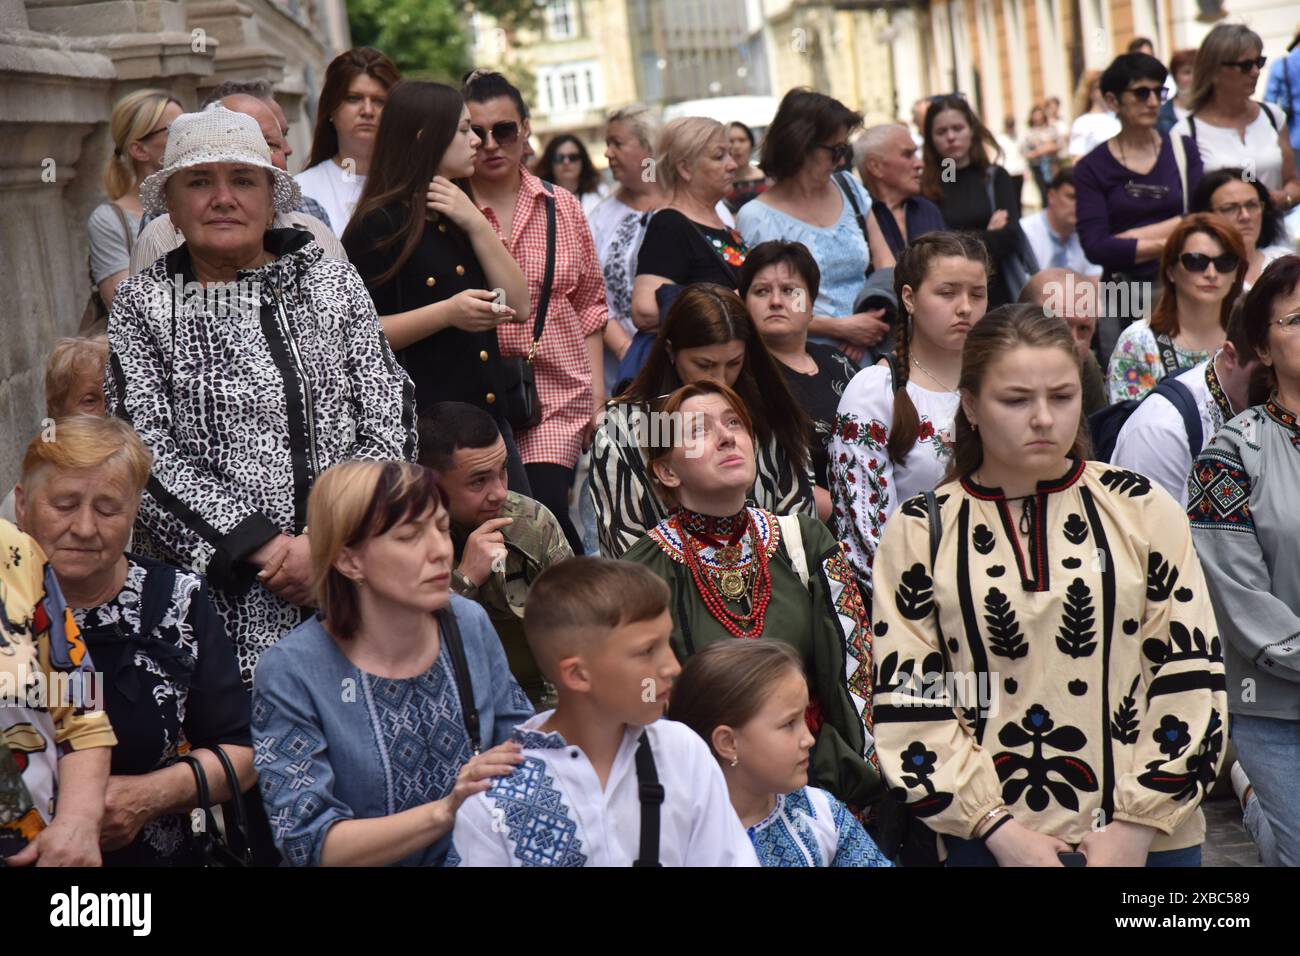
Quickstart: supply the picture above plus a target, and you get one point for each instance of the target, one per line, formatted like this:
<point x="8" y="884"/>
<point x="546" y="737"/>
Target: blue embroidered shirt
<point x="552" y="811"/>
<point x="809" y="827"/>
<point x="332" y="742"/>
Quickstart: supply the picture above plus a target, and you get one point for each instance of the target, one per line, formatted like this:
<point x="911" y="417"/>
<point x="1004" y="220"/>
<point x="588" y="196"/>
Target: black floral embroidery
<point x="1172" y="736"/>
<point x="914" y="597"/>
<point x="1162" y="577"/>
<point x="1187" y="645"/>
<point x="996" y="571"/>
<point x="1071" y="564"/>
<point x="914" y="507"/>
<point x="1076" y="636"/>
<point x="918" y="766"/>
<point x="1076" y="529"/>
<point x="1202" y="766"/>
<point x="1124" y="722"/>
<point x="1183" y="595"/>
<point x="983" y="539"/>
<point x="1038" y="729"/>
<point x="892" y="675"/>
<point x="1005" y="638"/>
<point x="1127" y="482"/>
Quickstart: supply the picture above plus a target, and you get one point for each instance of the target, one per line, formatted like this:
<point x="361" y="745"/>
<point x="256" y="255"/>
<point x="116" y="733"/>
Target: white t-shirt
<point x="334" y="188"/>
<point x="1153" y="442"/>
<point x="1260" y="150"/>
<point x="1091" y="130"/>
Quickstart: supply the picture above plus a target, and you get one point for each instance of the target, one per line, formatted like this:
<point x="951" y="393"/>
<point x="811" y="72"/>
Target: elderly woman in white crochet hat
<point x="249" y="363"/>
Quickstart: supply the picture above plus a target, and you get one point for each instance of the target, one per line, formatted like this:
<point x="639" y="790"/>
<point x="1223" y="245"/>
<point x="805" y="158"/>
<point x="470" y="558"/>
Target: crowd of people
<point x="445" y="504"/>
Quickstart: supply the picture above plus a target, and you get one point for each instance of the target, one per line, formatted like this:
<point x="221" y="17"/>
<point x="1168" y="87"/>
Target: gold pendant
<point x="732" y="584"/>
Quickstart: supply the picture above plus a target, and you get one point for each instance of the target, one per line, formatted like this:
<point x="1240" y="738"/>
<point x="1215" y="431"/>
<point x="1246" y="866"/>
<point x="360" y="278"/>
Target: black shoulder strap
<point x="652" y="795"/>
<point x="1268" y="111"/>
<point x="549" y="278"/>
<point x="936" y="527"/>
<point x="1168" y="356"/>
<point x="853" y="201"/>
<point x="159" y="583"/>
<point x="451" y="642"/>
<point x="1191" y="126"/>
<point x="1180" y="396"/>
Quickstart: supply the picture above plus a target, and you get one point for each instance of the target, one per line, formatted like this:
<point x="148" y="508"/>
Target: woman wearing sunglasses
<point x="1247" y="533"/>
<point x="567" y="359"/>
<point x="974" y="193"/>
<point x="1202" y="269"/>
<point x="1133" y="190"/>
<point x="1227" y="126"/>
<point x="566" y="162"/>
<point x="814" y="202"/>
<point x="1244" y="202"/>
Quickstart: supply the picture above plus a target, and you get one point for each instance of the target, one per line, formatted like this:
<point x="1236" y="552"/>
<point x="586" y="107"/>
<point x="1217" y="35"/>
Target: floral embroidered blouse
<point x="865" y="485"/>
<point x="1135" y="367"/>
<point x="1076" y="679"/>
<point x="809" y="827"/>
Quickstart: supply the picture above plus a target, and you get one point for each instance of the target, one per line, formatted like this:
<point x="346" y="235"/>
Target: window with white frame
<point x="562" y="19"/>
<point x="569" y="87"/>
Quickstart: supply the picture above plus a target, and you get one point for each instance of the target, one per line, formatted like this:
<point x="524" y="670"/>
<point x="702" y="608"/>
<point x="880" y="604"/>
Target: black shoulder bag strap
<point x="451" y="643"/>
<point x="1191" y="127"/>
<point x="652" y="795"/>
<point x="1168" y="356"/>
<point x="936" y="528"/>
<point x="853" y="201"/>
<point x="548" y="278"/>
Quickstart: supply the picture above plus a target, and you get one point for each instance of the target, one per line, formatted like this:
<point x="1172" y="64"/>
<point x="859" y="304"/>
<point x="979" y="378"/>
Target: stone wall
<point x="63" y="63"/>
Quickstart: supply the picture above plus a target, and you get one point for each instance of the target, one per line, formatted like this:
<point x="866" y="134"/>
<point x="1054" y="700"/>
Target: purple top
<point x="1112" y="199"/>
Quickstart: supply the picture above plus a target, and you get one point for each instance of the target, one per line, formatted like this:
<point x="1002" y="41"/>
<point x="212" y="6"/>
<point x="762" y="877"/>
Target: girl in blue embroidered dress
<point x="747" y="700"/>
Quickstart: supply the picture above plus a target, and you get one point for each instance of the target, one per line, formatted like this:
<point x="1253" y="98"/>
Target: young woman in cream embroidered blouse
<point x="1051" y="679"/>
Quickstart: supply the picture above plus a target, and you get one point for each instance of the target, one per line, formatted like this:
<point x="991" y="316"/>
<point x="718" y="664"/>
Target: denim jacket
<point x="332" y="742"/>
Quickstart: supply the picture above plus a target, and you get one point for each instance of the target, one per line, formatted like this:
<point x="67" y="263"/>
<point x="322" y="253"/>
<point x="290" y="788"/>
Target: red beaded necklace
<point x="760" y="592"/>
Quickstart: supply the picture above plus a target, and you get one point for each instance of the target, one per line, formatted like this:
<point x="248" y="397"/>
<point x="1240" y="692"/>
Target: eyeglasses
<point x="1199" y="262"/>
<point x="1288" y="323"/>
<point x="152" y="133"/>
<point x="1234" y="209"/>
<point x="1144" y="93"/>
<point x="840" y="152"/>
<point x="565" y="158"/>
<point x="503" y="133"/>
<point x="1245" y="65"/>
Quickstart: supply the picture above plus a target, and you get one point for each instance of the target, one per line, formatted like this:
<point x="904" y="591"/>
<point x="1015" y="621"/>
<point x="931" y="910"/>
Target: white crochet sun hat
<point x="217" y="135"/>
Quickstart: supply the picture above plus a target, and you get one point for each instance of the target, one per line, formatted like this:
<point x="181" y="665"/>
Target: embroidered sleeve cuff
<point x="1282" y="659"/>
<point x="227" y="569"/>
<point x="1165" y="825"/>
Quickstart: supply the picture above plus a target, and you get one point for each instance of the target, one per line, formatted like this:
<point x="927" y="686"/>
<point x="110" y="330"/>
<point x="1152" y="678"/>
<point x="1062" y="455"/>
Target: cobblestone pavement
<point x="1226" y="842"/>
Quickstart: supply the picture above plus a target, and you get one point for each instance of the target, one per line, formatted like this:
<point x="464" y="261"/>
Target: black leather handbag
<point x="210" y="847"/>
<point x="517" y="390"/>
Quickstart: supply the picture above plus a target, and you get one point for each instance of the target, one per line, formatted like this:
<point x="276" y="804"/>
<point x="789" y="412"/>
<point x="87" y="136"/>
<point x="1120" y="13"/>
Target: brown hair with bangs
<point x="1164" y="317"/>
<point x="676" y="436"/>
<point x="576" y="603"/>
<point x="727" y="683"/>
<point x="1003" y="330"/>
<point x="351" y="503"/>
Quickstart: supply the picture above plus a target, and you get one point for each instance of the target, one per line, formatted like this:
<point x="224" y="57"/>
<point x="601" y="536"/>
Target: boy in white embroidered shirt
<point x="599" y="631"/>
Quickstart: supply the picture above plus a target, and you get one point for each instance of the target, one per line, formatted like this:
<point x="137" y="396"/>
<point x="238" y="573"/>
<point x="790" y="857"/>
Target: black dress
<point x="819" y="395"/>
<point x="965" y="207"/>
<point x="451" y="365"/>
<point x="171" y="691"/>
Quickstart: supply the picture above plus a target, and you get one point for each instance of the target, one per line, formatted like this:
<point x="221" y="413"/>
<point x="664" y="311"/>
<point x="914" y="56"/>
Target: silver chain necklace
<point x="934" y="378"/>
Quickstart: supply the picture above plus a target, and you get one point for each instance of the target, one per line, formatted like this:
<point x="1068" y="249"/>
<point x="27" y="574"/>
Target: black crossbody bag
<point x="521" y="406"/>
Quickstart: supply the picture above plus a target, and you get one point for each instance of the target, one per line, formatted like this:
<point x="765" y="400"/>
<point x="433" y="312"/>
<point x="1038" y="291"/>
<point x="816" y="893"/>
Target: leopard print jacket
<point x="245" y="393"/>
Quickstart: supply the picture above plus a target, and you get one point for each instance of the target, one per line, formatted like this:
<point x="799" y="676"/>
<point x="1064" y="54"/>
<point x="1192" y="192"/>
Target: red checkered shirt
<point x="562" y="367"/>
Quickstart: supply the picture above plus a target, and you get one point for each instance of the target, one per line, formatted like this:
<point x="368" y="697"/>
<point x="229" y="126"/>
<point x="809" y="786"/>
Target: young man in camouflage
<point x="503" y="540"/>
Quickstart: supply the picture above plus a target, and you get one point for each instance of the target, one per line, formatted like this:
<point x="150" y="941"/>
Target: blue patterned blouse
<point x="809" y="827"/>
<point x="332" y="742"/>
<point x="840" y="250"/>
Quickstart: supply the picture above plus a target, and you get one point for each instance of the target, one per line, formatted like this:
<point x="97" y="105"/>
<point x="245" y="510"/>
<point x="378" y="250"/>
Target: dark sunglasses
<point x="1199" y="262"/>
<point x="503" y="133"/>
<point x="840" y="152"/>
<point x="565" y="158"/>
<point x="1245" y="65"/>
<point x="1144" y="93"/>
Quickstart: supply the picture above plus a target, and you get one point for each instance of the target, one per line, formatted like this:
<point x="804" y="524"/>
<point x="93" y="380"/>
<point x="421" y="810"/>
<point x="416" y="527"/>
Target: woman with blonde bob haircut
<point x="171" y="685"/>
<point x="139" y="131"/>
<point x="372" y="714"/>
<point x="1089" y="719"/>
<point x="688" y="240"/>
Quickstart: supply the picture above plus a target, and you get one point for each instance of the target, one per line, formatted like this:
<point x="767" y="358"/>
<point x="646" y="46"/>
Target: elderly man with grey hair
<point x="160" y="236"/>
<point x="890" y="167"/>
<point x="1077" y="299"/>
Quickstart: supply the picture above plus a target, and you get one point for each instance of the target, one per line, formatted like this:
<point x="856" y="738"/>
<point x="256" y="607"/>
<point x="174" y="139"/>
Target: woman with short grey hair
<point x="248" y="363"/>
